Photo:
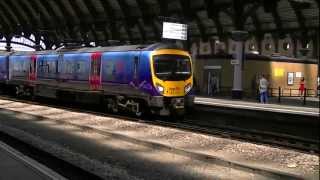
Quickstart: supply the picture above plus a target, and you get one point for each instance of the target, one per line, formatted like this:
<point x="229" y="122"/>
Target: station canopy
<point x="140" y="21"/>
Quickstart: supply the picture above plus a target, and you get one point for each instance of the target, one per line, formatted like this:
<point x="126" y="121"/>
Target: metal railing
<point x="288" y="92"/>
<point x="272" y="92"/>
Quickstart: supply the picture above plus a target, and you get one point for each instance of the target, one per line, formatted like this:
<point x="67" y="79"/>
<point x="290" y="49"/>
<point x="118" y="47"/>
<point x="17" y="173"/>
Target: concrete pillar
<point x="295" y="47"/>
<point x="239" y="37"/>
<point x="315" y="45"/>
<point x="276" y="43"/>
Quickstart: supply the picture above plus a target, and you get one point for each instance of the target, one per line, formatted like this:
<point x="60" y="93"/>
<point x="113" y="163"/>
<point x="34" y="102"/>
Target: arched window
<point x="268" y="46"/>
<point x="252" y="47"/>
<point x="286" y="46"/>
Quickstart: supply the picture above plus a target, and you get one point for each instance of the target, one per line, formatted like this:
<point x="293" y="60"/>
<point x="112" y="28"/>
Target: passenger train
<point x="138" y="78"/>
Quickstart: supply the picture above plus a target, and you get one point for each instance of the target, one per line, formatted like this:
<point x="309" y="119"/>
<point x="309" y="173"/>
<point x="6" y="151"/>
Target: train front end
<point x="172" y="77"/>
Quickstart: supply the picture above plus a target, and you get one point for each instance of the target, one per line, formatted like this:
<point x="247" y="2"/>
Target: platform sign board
<point x="175" y="31"/>
<point x="234" y="61"/>
<point x="212" y="67"/>
<point x="290" y="78"/>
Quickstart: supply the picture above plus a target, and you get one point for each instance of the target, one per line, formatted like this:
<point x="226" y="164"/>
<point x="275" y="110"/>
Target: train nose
<point x="174" y="91"/>
<point x="177" y="103"/>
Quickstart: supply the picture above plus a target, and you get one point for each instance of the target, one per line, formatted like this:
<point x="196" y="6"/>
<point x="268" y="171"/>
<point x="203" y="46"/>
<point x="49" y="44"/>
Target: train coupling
<point x="177" y="103"/>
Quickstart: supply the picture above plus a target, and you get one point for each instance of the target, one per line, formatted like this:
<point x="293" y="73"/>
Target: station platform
<point x="115" y="148"/>
<point x="255" y="106"/>
<point x="15" y="165"/>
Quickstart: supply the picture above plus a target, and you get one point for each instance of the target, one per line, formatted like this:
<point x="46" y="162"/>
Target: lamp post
<point x="239" y="37"/>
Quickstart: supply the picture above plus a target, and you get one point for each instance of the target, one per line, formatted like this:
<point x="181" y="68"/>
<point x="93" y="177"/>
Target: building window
<point x="306" y="45"/>
<point x="268" y="46"/>
<point x="286" y="46"/>
<point x="252" y="47"/>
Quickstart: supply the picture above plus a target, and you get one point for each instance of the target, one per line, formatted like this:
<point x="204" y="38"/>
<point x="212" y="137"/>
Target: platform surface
<point x="112" y="147"/>
<point x="14" y="165"/>
<point x="240" y="104"/>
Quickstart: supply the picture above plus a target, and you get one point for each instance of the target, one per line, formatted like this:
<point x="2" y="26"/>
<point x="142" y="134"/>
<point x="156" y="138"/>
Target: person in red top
<point x="301" y="87"/>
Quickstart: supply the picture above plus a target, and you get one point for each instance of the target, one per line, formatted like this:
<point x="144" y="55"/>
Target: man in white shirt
<point x="263" y="89"/>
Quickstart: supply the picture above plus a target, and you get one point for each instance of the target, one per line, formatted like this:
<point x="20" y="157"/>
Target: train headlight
<point x="160" y="88"/>
<point x="187" y="88"/>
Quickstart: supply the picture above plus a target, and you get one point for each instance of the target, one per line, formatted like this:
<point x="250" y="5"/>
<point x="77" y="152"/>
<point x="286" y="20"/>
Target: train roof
<point x="5" y="53"/>
<point x="139" y="47"/>
<point x="144" y="47"/>
<point x="18" y="53"/>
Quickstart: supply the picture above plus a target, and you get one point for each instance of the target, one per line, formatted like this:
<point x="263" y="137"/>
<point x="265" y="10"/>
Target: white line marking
<point x="258" y="108"/>
<point x="32" y="163"/>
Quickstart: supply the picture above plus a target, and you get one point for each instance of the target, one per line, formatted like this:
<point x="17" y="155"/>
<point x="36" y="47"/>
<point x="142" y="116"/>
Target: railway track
<point x="261" y="137"/>
<point x="264" y="137"/>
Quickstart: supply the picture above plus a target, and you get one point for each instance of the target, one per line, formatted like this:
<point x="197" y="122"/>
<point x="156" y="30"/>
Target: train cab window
<point x="172" y="67"/>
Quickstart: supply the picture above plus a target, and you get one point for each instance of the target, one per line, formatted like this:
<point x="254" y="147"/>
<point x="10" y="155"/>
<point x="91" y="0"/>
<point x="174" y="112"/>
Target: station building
<point x="283" y="62"/>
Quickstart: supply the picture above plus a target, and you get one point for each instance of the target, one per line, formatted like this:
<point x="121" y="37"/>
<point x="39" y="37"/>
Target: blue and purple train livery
<point x="156" y="77"/>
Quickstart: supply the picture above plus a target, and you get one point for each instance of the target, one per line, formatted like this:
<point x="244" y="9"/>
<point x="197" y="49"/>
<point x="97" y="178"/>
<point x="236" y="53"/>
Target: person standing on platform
<point x="263" y="89"/>
<point x="301" y="87"/>
<point x="213" y="85"/>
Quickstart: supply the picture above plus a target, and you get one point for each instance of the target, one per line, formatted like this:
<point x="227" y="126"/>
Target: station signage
<point x="175" y="31"/>
<point x="234" y="61"/>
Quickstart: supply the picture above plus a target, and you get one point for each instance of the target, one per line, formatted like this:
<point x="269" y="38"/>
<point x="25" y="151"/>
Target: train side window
<point x="78" y="67"/>
<point x="44" y="66"/>
<point x="57" y="66"/>
<point x="136" y="64"/>
<point x="40" y="66"/>
<point x="51" y="67"/>
<point x="109" y="70"/>
<point x="68" y="67"/>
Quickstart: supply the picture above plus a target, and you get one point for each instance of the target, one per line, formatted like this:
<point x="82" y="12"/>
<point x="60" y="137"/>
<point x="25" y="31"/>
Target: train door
<point x="95" y="71"/>
<point x="59" y="68"/>
<point x="33" y="68"/>
<point x="6" y="70"/>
